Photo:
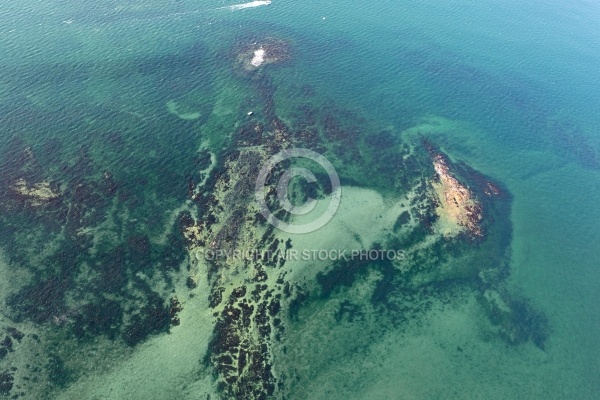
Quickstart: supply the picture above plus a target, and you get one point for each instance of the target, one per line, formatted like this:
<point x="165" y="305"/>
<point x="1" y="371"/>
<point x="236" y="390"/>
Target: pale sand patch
<point x="174" y="108"/>
<point x="439" y="125"/>
<point x="259" y="58"/>
<point x="164" y="367"/>
<point x="363" y="218"/>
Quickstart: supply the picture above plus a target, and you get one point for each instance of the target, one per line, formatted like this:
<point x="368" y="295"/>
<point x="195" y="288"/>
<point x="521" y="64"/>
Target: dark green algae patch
<point x="63" y="288"/>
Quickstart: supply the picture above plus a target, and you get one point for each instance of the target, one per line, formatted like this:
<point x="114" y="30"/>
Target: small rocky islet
<point x="100" y="277"/>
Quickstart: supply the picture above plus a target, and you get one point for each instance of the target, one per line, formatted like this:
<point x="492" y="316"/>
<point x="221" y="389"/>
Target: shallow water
<point x="121" y="103"/>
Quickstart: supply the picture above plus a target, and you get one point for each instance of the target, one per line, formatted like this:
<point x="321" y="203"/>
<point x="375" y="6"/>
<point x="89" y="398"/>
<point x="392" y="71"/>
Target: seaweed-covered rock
<point x="6" y="383"/>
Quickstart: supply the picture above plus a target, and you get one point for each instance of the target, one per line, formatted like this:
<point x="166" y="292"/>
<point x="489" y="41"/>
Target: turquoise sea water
<point x="511" y="89"/>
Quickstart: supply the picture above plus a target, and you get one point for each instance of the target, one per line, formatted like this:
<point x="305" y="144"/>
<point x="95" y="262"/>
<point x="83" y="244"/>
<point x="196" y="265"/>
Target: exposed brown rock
<point x="457" y="208"/>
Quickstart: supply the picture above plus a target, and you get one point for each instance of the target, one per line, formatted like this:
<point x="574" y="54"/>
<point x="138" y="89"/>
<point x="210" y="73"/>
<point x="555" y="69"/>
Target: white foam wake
<point x="251" y="4"/>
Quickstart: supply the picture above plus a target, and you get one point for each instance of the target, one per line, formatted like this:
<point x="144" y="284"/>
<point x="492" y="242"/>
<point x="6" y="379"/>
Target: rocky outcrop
<point x="258" y="53"/>
<point x="457" y="208"/>
<point x="244" y="297"/>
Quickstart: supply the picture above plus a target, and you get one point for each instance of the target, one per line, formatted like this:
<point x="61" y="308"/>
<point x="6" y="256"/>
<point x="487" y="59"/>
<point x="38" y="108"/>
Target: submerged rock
<point x="258" y="53"/>
<point x="36" y="194"/>
<point x="6" y="383"/>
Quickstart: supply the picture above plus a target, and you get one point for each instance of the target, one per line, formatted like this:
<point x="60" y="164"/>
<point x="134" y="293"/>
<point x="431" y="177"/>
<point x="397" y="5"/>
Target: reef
<point x="80" y="272"/>
<point x="112" y="268"/>
<point x="239" y="350"/>
<point x="449" y="222"/>
<point x="256" y="53"/>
